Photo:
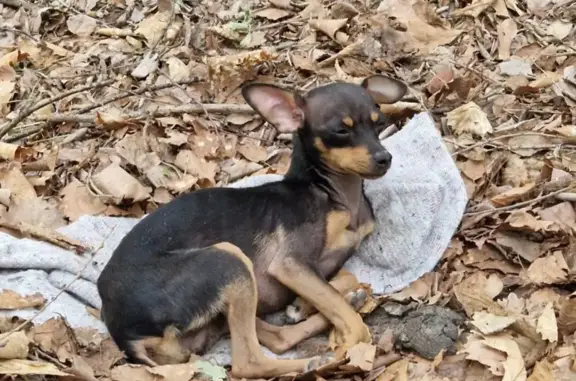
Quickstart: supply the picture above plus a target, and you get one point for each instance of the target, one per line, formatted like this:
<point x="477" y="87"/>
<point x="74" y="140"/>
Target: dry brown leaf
<point x="469" y="118"/>
<point x="511" y="196"/>
<point x="81" y="25"/>
<point x="477" y="350"/>
<point x="81" y="369"/>
<point x="147" y="66"/>
<point x="520" y="245"/>
<point x="10" y="300"/>
<point x="329" y="27"/>
<point x="507" y="30"/>
<point x="53" y="337"/>
<point x="546" y="79"/>
<point x="546" y="325"/>
<point x="542" y="371"/>
<point x="361" y="357"/>
<point x="476" y="292"/>
<point x="562" y="213"/>
<point x="115" y="182"/>
<point x="522" y="219"/>
<point x="514" y="369"/>
<point x="548" y="270"/>
<point x="253" y="152"/>
<point x="28" y="367"/>
<point x="273" y="14"/>
<point x="177" y="372"/>
<point x="190" y="163"/>
<point x="77" y="201"/>
<point x="397" y="371"/>
<point x="152" y="27"/>
<point x="567" y="316"/>
<point x="488" y="323"/>
<point x="14" y="180"/>
<point x="238" y="168"/>
<point x="473" y="169"/>
<point x="14" y="345"/>
<point x="418" y="290"/>
<point x="426" y="36"/>
<point x="474" y="9"/>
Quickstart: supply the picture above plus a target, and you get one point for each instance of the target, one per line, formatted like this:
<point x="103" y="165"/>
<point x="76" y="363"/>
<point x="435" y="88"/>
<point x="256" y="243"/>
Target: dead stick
<point x="44" y="234"/>
<point x="137" y="92"/>
<point x="16" y="4"/>
<point x="159" y="112"/>
<point x="29" y="111"/>
<point x="520" y="204"/>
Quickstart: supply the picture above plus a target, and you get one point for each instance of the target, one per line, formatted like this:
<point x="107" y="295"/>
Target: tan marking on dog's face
<point x="374" y="116"/>
<point x="345" y="159"/>
<point x="348" y="121"/>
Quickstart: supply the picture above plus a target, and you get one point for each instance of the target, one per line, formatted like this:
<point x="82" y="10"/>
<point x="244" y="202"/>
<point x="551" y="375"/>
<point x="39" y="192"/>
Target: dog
<point x="215" y="260"/>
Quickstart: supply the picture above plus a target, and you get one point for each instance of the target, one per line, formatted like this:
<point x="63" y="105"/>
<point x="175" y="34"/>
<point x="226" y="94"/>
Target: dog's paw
<point x="357" y="298"/>
<point x="318" y="362"/>
<point x="294" y="314"/>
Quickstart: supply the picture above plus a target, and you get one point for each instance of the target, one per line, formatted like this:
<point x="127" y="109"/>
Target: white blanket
<point x="418" y="205"/>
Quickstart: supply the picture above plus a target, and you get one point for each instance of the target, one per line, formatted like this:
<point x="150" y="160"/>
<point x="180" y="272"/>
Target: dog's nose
<point x="383" y="157"/>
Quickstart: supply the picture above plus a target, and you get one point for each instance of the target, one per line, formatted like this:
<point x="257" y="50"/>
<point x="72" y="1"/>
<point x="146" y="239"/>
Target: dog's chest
<point x="345" y="231"/>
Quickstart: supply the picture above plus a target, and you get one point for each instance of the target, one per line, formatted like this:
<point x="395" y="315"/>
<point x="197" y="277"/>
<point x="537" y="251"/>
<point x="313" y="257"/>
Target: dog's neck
<point x="345" y="190"/>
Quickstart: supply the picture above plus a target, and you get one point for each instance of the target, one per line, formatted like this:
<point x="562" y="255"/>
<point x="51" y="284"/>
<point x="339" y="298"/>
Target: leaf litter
<point x="116" y="108"/>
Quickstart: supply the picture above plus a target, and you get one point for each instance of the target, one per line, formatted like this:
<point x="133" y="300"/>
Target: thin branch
<point x="158" y="112"/>
<point x="521" y="204"/>
<point x="7" y="127"/>
<point x="16" y="4"/>
<point x="140" y="91"/>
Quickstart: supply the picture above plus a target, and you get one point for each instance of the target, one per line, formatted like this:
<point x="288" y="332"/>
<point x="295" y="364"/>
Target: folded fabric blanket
<point x="418" y="205"/>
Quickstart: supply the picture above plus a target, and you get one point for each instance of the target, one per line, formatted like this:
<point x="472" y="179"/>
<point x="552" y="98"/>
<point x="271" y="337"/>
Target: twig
<point x="568" y="196"/>
<point x="30" y="110"/>
<point x="16" y="4"/>
<point x="521" y="204"/>
<point x="159" y="112"/>
<point x="78" y="275"/>
<point x="47" y="235"/>
<point x="496" y="138"/>
<point x="137" y="92"/>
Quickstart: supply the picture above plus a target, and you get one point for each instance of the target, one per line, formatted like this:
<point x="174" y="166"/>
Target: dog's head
<point x="338" y="123"/>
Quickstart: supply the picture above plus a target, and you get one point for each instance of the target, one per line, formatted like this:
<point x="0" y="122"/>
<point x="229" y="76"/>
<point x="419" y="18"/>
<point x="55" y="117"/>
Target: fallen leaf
<point x="477" y="350"/>
<point x="519" y="245"/>
<point x="24" y="367"/>
<point x="81" y="369"/>
<point x="115" y="182"/>
<point x="53" y="337"/>
<point x="507" y="30"/>
<point x="474" y="9"/>
<point x="187" y="161"/>
<point x="515" y="67"/>
<point x="14" y="345"/>
<point x="514" y="369"/>
<point x="273" y="14"/>
<point x="10" y="300"/>
<point x="469" y="118"/>
<point x="562" y="213"/>
<point x="214" y="372"/>
<point x="152" y="27"/>
<point x="546" y="325"/>
<point x="559" y="29"/>
<point x="77" y="201"/>
<point x="14" y="180"/>
<point x="488" y="323"/>
<point x="513" y="195"/>
<point x="548" y="270"/>
<point x="253" y="152"/>
<point x="147" y="65"/>
<point x="542" y="371"/>
<point x="397" y="371"/>
<point x="567" y="316"/>
<point x="521" y="219"/>
<point x="81" y="25"/>
<point x="361" y="357"/>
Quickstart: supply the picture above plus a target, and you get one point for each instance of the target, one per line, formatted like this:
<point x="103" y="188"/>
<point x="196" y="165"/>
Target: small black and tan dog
<point x="213" y="260"/>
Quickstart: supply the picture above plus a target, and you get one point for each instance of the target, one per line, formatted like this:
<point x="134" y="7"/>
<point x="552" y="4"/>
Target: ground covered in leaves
<point x="114" y="107"/>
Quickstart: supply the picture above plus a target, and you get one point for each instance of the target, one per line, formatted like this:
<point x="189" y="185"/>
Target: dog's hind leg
<point x="248" y="358"/>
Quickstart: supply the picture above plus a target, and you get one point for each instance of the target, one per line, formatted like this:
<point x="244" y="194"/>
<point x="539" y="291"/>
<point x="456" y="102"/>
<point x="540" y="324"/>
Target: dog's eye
<point x="342" y="131"/>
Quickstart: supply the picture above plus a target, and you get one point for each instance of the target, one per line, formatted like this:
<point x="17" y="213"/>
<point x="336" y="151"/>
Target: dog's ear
<point x="384" y="89"/>
<point x="280" y="107"/>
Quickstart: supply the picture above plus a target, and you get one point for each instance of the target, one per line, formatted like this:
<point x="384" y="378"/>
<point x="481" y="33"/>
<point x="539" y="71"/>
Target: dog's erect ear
<point x="384" y="89"/>
<point x="278" y="106"/>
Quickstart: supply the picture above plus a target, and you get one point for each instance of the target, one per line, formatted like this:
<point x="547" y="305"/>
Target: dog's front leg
<point x="306" y="283"/>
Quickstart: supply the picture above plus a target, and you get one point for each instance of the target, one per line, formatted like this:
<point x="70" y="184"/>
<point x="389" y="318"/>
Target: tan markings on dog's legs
<point x="248" y="359"/>
<point x="300" y="279"/>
